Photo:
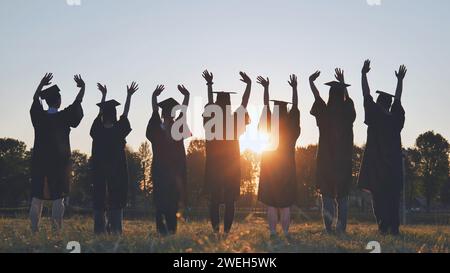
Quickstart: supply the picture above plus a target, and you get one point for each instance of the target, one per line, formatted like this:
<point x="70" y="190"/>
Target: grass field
<point x="248" y="235"/>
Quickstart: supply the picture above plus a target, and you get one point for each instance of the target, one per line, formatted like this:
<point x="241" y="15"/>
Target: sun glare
<point x="256" y="143"/>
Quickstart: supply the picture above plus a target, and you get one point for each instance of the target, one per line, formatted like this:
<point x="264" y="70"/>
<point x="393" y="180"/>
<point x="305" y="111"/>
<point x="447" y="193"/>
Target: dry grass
<point x="248" y="235"/>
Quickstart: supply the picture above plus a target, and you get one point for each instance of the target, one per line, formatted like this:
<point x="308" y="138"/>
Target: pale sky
<point x="171" y="42"/>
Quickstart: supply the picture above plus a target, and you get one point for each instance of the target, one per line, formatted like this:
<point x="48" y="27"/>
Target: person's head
<point x="166" y="107"/>
<point x="52" y="96"/>
<point x="384" y="100"/>
<point x="109" y="112"/>
<point x="336" y="95"/>
<point x="282" y="108"/>
<point x="223" y="99"/>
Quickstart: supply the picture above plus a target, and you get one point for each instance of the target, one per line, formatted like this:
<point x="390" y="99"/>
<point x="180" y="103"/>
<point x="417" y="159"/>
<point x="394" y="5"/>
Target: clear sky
<point x="171" y="42"/>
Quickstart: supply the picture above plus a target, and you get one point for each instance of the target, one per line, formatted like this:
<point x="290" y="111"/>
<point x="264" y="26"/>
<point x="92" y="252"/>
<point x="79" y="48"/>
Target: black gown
<point x="278" y="178"/>
<point x="381" y="167"/>
<point x="109" y="164"/>
<point x="223" y="161"/>
<point x="168" y="165"/>
<point x="51" y="158"/>
<point x="334" y="154"/>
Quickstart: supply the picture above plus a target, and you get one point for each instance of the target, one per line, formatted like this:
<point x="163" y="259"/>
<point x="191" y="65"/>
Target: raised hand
<point x="158" y="90"/>
<point x="245" y="78"/>
<point x="102" y="88"/>
<point x="46" y="80"/>
<point x="293" y="81"/>
<point x="366" y="67"/>
<point x="400" y="74"/>
<point x="339" y="75"/>
<point x="264" y="82"/>
<point x="132" y="88"/>
<point x="208" y="76"/>
<point x="314" y="76"/>
<point x="79" y="81"/>
<point x="183" y="90"/>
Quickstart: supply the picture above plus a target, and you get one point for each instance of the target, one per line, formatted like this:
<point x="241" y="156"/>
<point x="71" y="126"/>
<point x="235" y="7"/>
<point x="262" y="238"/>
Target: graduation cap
<point x="168" y="104"/>
<point x="224" y="96"/>
<point x="50" y="93"/>
<point x="337" y="84"/>
<point x="280" y="102"/>
<point x="384" y="94"/>
<point x="110" y="104"/>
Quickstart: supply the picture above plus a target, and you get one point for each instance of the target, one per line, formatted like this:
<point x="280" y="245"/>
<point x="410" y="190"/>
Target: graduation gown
<point x="223" y="161"/>
<point x="168" y="165"/>
<point x="278" y="178"/>
<point x="381" y="167"/>
<point x="334" y="154"/>
<point x="109" y="164"/>
<point x="51" y="158"/>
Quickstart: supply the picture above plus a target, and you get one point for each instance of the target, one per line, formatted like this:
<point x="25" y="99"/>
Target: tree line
<point x="427" y="180"/>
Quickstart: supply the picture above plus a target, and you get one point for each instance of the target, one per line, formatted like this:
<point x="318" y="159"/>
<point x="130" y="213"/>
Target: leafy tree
<point x="135" y="176"/>
<point x="249" y="173"/>
<point x="305" y="159"/>
<point x="433" y="166"/>
<point x="81" y="188"/>
<point x="14" y="172"/>
<point x="195" y="172"/>
<point x="412" y="179"/>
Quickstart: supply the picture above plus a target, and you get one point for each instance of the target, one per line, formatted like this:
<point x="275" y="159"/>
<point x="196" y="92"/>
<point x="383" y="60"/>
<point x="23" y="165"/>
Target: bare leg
<point x="57" y="213"/>
<point x="272" y="218"/>
<point x="35" y="213"/>
<point x="285" y="219"/>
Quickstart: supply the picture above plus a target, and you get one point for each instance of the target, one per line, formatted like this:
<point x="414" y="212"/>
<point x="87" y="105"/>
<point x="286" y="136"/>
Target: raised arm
<point x="156" y="93"/>
<point x="103" y="90"/>
<point x="293" y="83"/>
<point x="248" y="88"/>
<point x="183" y="90"/>
<point x="81" y="85"/>
<point x="46" y="80"/>
<point x="364" y="81"/>
<point x="400" y="74"/>
<point x="314" y="89"/>
<point x="339" y="75"/>
<point x="265" y="83"/>
<point x="209" y="82"/>
<point x="130" y="91"/>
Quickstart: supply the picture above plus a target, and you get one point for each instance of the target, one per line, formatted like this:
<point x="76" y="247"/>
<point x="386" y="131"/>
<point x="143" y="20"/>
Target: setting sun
<point x="257" y="142"/>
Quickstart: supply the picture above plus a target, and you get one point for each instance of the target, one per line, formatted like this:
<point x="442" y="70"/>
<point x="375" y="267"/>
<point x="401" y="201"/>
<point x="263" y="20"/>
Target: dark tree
<point x="195" y="160"/>
<point x="135" y="176"/>
<point x="14" y="172"/>
<point x="433" y="150"/>
<point x="81" y="188"/>
<point x="305" y="159"/>
<point x="249" y="177"/>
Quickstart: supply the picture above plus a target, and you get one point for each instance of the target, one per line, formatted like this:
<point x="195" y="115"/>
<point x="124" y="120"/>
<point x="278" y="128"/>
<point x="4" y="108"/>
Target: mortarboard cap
<point x="337" y="84"/>
<point x="280" y="102"/>
<point x="108" y="104"/>
<point x="168" y="104"/>
<point x="384" y="94"/>
<point x="50" y="92"/>
<point x="224" y="96"/>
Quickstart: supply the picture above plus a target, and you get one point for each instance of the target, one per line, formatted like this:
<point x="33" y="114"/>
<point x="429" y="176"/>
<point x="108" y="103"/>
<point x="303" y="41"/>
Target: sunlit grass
<point x="248" y="235"/>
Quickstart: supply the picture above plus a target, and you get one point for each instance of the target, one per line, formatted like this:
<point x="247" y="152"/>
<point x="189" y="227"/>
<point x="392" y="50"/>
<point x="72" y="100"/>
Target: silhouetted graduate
<point x="109" y="164"/>
<point x="334" y="156"/>
<point x="169" y="160"/>
<point x="278" y="180"/>
<point x="222" y="167"/>
<point x="381" y="169"/>
<point x="51" y="159"/>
